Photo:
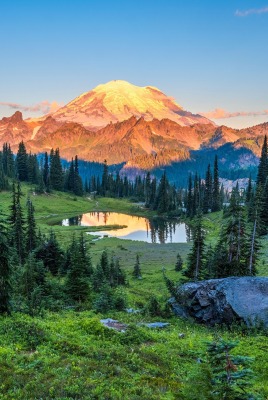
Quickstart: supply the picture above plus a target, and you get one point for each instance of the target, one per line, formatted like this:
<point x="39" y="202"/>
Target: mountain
<point x="118" y="100"/>
<point x="140" y="127"/>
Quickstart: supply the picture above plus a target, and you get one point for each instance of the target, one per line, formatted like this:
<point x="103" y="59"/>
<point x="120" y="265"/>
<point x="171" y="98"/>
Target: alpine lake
<point x="129" y="227"/>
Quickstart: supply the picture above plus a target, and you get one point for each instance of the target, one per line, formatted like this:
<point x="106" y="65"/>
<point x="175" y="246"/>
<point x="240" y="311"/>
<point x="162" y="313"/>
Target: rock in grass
<point x="224" y="301"/>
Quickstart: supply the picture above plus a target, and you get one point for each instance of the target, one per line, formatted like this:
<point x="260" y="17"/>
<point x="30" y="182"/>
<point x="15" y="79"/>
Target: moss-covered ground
<point x="70" y="355"/>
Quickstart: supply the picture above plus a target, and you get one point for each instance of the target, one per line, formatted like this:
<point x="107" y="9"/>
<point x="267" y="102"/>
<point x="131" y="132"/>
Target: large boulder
<point x="224" y="301"/>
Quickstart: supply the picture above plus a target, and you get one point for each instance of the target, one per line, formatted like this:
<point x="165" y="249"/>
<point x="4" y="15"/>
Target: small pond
<point x="155" y="230"/>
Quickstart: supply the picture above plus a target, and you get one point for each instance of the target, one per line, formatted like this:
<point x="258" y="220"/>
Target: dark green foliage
<point x="77" y="284"/>
<point x="137" y="269"/>
<point x="104" y="300"/>
<point x="5" y="271"/>
<point x="31" y="238"/>
<point x="231" y="377"/>
<point x="56" y="178"/>
<point x="17" y="223"/>
<point x="263" y="165"/>
<point x="179" y="263"/>
<point x="195" y="261"/>
<point x="33" y="285"/>
<point x="22" y="163"/>
<point x="51" y="254"/>
<point x="154" y="307"/>
<point x="46" y="171"/>
<point x="207" y="205"/>
<point x="216" y="202"/>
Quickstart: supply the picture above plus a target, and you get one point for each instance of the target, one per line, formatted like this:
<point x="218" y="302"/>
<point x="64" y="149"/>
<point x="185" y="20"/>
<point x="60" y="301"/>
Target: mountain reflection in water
<point x="156" y="230"/>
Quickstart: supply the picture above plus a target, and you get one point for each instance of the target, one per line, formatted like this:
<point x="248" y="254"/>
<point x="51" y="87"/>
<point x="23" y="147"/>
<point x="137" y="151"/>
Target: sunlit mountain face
<point x="118" y="100"/>
<point x="140" y="127"/>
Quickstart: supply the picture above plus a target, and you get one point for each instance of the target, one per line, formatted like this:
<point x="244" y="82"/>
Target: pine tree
<point x="22" y="162"/>
<point x="189" y="199"/>
<point x="105" y="179"/>
<point x="195" y="261"/>
<point x="33" y="285"/>
<point x="46" y="171"/>
<point x="207" y="204"/>
<point x="179" y="263"/>
<point x="78" y="185"/>
<point x="162" y="201"/>
<point x="231" y="377"/>
<point x="31" y="238"/>
<point x="56" y="178"/>
<point x="137" y="269"/>
<point x="216" y="204"/>
<point x="263" y="165"/>
<point x="5" y="271"/>
<point x="51" y="254"/>
<point x="77" y="285"/>
<point x="17" y="223"/>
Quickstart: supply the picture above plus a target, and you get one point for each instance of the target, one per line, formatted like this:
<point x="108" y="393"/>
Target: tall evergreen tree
<point x="195" y="261"/>
<point x="22" y="162"/>
<point x="5" y="270"/>
<point x="31" y="237"/>
<point x="137" y="268"/>
<point x="207" y="204"/>
<point x="56" y="172"/>
<point x="263" y="165"/>
<point x="216" y="203"/>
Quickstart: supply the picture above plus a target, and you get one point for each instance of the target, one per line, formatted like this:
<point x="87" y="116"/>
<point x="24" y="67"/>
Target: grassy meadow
<point x="71" y="355"/>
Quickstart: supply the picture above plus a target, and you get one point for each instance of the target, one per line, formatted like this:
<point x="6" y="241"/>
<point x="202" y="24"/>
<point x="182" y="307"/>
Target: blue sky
<point x="211" y="56"/>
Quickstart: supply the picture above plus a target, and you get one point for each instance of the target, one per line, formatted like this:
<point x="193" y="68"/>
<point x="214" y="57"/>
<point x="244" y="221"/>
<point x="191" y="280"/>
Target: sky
<point x="211" y="56"/>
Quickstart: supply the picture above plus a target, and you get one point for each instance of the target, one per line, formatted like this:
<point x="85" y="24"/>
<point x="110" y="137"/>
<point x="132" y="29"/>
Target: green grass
<point x="68" y="355"/>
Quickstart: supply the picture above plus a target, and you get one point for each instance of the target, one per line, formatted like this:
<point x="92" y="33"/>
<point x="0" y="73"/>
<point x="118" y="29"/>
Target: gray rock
<point x="157" y="324"/>
<point x="226" y="300"/>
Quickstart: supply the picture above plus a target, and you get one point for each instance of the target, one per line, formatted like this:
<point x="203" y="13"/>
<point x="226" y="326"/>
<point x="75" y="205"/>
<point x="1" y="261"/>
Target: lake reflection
<point x="156" y="230"/>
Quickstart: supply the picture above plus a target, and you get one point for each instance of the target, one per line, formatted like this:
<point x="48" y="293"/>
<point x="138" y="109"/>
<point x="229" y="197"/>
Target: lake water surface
<point x="155" y="230"/>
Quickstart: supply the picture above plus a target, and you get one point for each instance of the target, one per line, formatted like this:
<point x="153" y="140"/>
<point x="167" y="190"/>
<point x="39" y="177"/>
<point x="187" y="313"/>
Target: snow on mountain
<point x="119" y="100"/>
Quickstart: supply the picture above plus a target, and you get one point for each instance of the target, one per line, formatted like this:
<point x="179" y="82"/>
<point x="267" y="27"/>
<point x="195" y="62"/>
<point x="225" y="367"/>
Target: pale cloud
<point x="245" y="13"/>
<point x="45" y="107"/>
<point x="219" y="113"/>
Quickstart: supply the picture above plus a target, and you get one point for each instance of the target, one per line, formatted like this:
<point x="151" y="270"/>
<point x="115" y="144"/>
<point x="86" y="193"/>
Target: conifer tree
<point x="51" y="254"/>
<point x="216" y="204"/>
<point x="17" y="223"/>
<point x="231" y="377"/>
<point x="78" y="185"/>
<point x="22" y="162"/>
<point x="31" y="238"/>
<point x="137" y="268"/>
<point x="56" y="178"/>
<point x="46" y="171"/>
<point x="33" y="285"/>
<point x="207" y="204"/>
<point x="195" y="261"/>
<point x="5" y="270"/>
<point x="105" y="179"/>
<point x="263" y="165"/>
<point x="77" y="285"/>
<point x="179" y="263"/>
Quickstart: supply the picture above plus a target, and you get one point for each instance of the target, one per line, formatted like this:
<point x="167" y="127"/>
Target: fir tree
<point x="179" y="263"/>
<point x="46" y="171"/>
<point x="5" y="271"/>
<point x="231" y="376"/>
<point x="31" y="238"/>
<point x="195" y="261"/>
<point x="263" y="165"/>
<point x="56" y="178"/>
<point x="22" y="162"/>
<point x="207" y="204"/>
<point x="216" y="203"/>
<point x="77" y="285"/>
<point x="137" y="269"/>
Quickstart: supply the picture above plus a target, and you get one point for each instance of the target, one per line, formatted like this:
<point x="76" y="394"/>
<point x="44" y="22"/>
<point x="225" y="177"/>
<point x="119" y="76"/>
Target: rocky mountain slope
<point x="141" y="127"/>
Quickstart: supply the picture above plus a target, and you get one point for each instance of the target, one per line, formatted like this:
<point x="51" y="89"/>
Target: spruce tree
<point x="22" y="162"/>
<point x="31" y="238"/>
<point x="78" y="185"/>
<point x="179" y="263"/>
<point x="195" y="261"/>
<point x="231" y="377"/>
<point x="5" y="270"/>
<point x="216" y="203"/>
<point x="207" y="204"/>
<point x="137" y="268"/>
<point x="263" y="165"/>
<point x="77" y="285"/>
<point x="56" y="178"/>
<point x="46" y="171"/>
